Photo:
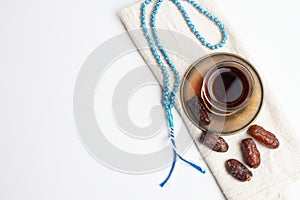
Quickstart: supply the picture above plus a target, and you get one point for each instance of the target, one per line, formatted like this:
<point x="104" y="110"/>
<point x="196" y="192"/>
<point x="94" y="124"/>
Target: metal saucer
<point x="224" y="125"/>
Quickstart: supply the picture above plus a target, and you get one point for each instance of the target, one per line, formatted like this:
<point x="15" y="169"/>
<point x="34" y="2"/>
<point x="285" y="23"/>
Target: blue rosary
<point x="168" y="99"/>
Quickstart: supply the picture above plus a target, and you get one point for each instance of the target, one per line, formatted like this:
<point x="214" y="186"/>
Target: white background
<point x="42" y="47"/>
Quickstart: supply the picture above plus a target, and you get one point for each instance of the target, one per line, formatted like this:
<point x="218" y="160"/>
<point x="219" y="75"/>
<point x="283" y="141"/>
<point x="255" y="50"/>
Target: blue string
<point x="171" y="170"/>
<point x="192" y="164"/>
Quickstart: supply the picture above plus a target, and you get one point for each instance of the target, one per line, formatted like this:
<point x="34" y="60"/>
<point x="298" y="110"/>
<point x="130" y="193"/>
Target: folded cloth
<point x="279" y="167"/>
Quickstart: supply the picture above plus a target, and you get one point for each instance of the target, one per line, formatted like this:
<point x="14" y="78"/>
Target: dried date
<point x="263" y="136"/>
<point x="198" y="110"/>
<point x="213" y="142"/>
<point x="250" y="152"/>
<point x="238" y="170"/>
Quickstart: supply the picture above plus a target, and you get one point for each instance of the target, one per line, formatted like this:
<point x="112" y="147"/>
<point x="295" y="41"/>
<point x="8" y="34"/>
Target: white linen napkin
<point x="279" y="167"/>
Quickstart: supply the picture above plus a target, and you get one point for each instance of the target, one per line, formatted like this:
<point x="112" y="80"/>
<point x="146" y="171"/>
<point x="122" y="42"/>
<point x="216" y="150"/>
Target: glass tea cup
<point x="227" y="88"/>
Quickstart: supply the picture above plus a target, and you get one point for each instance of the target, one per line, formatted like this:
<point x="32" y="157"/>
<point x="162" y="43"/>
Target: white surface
<point x="43" y="45"/>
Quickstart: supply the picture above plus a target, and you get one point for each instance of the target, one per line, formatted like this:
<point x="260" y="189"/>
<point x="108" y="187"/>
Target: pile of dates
<point x="251" y="155"/>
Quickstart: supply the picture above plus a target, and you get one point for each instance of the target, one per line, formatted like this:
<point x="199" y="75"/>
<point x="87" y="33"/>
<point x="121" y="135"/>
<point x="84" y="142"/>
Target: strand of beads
<point x="168" y="100"/>
<point x="193" y="28"/>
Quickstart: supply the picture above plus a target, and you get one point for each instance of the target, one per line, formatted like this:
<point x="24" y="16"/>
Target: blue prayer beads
<point x="168" y="99"/>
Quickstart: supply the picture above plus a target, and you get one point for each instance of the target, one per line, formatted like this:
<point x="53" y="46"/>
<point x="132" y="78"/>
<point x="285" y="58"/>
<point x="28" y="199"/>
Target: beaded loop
<point x="168" y="99"/>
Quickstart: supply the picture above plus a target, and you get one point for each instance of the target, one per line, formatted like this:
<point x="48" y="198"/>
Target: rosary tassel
<point x="172" y="140"/>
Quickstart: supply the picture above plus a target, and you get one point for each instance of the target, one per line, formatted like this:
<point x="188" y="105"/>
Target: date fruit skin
<point x="214" y="142"/>
<point x="250" y="152"/>
<point x="239" y="171"/>
<point x="198" y="110"/>
<point x="263" y="136"/>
